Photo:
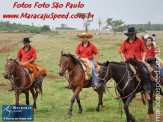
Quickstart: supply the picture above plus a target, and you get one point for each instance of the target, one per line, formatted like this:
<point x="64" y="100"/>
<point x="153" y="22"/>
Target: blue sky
<point x="129" y="11"/>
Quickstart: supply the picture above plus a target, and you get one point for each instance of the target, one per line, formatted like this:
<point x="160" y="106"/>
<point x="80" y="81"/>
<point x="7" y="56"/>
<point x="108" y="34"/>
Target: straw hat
<point x="89" y="36"/>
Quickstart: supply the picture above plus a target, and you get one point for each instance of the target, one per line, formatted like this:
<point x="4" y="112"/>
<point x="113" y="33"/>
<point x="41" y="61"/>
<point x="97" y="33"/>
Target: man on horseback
<point x="86" y="49"/>
<point x="134" y="47"/>
<point x="152" y="53"/>
<point x="26" y="57"/>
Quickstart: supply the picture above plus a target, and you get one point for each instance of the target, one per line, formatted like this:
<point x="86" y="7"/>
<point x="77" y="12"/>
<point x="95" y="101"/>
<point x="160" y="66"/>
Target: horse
<point x="127" y="83"/>
<point x="69" y="63"/>
<point x="21" y="81"/>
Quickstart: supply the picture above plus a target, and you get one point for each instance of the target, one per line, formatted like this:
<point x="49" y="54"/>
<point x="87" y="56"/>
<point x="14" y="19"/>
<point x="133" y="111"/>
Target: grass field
<point x="8" y="39"/>
<point x="55" y="102"/>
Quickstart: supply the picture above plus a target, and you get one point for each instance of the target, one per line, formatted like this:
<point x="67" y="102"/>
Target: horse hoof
<point x="34" y="109"/>
<point x="80" y="112"/>
<point x="69" y="115"/>
<point x="147" y="118"/>
<point x="151" y="115"/>
<point x="103" y="105"/>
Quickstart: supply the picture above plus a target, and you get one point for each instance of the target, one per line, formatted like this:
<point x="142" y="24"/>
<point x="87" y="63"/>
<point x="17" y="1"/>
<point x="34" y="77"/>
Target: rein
<point x="70" y="73"/>
<point x="17" y="88"/>
<point x="129" y="79"/>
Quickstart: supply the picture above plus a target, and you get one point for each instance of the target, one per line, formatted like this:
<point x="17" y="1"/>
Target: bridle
<point x="17" y="88"/>
<point x="70" y="72"/>
<point x="106" y="74"/>
<point x="10" y="74"/>
<point x="67" y="67"/>
<point x="129" y="78"/>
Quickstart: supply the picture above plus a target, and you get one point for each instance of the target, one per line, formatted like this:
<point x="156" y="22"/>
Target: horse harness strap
<point x="129" y="79"/>
<point x="16" y="88"/>
<point x="74" y="77"/>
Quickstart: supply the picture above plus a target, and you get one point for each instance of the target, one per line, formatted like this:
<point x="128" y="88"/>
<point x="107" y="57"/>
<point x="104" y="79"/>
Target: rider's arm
<point x="96" y="58"/>
<point x="31" y="60"/>
<point x="18" y="59"/>
<point x="77" y="56"/>
<point x="143" y="56"/>
<point x="123" y="57"/>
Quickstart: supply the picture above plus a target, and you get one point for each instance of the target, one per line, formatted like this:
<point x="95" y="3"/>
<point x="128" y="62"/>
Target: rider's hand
<point x="124" y="60"/>
<point x="143" y="61"/>
<point x="24" y="63"/>
<point x="95" y="64"/>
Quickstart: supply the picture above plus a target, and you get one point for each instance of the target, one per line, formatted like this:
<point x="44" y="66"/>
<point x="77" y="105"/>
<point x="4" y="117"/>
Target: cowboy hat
<point x="131" y="32"/>
<point x="26" y="40"/>
<point x="153" y="34"/>
<point x="89" y="36"/>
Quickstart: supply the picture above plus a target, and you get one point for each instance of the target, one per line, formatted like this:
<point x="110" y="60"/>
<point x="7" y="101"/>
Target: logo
<point x="17" y="112"/>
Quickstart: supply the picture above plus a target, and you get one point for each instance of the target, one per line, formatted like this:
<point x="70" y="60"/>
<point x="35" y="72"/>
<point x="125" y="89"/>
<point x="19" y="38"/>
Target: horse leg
<point x="78" y="101"/>
<point x="150" y="109"/>
<point x="142" y="97"/>
<point x="27" y="97"/>
<point x="70" y="109"/>
<point x="100" y="102"/>
<point x="126" y="104"/>
<point x="76" y="95"/>
<point x="34" y="95"/>
<point x="17" y="98"/>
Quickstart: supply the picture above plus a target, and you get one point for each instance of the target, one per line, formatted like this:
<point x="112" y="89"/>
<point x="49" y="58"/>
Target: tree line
<point x="14" y="27"/>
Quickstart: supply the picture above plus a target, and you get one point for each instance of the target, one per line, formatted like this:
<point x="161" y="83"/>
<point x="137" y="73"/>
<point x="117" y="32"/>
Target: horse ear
<point x="107" y="63"/>
<point x="7" y="59"/>
<point x="61" y="53"/>
<point x="68" y="53"/>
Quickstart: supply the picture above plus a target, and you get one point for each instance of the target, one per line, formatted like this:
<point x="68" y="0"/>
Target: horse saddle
<point x="87" y="69"/>
<point x="30" y="73"/>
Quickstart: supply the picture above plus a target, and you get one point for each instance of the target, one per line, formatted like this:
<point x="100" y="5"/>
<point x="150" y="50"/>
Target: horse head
<point x="9" y="68"/>
<point x="64" y="63"/>
<point x="103" y="76"/>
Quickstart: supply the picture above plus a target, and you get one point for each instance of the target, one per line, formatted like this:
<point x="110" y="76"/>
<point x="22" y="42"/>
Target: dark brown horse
<point x="127" y="83"/>
<point x="77" y="79"/>
<point x="21" y="81"/>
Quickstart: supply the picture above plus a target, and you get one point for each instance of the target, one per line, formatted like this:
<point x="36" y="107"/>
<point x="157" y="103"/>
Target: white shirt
<point x="146" y="36"/>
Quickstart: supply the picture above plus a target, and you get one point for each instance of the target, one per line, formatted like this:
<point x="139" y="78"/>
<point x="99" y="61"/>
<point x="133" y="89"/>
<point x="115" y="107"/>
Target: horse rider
<point x="152" y="53"/>
<point x="87" y="49"/>
<point x="26" y="57"/>
<point x="134" y="46"/>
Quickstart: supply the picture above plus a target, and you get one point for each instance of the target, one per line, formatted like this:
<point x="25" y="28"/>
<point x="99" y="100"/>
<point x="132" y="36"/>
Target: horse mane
<point x="14" y="60"/>
<point x="139" y="66"/>
<point x="118" y="63"/>
<point x="74" y="59"/>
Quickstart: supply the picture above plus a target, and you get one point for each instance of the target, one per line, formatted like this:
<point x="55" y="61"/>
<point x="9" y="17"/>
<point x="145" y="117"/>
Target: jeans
<point x="93" y="72"/>
<point x="38" y="79"/>
<point x="160" y="68"/>
<point x="147" y="84"/>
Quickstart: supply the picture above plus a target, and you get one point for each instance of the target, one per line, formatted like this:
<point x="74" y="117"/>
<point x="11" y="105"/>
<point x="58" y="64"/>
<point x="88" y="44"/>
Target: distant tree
<point x="86" y="20"/>
<point x="114" y="24"/>
<point x="45" y="28"/>
<point x="99" y="23"/>
<point x="141" y="29"/>
<point x="63" y="26"/>
<point x="148" y="25"/>
<point x="122" y="28"/>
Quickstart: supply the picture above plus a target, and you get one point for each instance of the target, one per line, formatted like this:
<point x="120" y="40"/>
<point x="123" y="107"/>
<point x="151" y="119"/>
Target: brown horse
<point x="77" y="79"/>
<point x="21" y="81"/>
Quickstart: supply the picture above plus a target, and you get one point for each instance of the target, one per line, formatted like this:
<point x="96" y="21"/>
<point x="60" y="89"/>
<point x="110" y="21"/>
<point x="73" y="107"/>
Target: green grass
<point x="55" y="102"/>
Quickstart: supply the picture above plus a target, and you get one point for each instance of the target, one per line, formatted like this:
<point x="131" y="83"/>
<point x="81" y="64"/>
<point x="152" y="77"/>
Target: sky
<point x="129" y="11"/>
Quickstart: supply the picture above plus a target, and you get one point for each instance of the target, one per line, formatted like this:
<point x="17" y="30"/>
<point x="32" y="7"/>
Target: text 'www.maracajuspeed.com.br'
<point x="44" y="16"/>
